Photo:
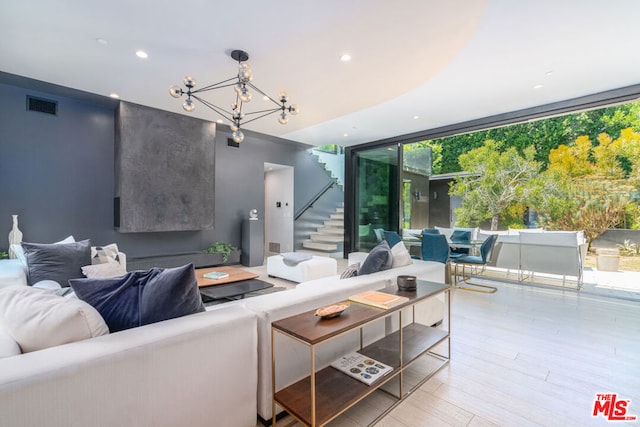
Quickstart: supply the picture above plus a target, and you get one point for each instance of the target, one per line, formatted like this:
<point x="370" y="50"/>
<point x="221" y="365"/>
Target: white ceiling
<point x="441" y="61"/>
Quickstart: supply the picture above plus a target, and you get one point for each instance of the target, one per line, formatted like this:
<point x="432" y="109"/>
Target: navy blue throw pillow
<point x="142" y="297"/>
<point x="379" y="259"/>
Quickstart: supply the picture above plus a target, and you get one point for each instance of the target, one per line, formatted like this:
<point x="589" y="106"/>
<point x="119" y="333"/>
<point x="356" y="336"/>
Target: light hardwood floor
<point x="526" y="356"/>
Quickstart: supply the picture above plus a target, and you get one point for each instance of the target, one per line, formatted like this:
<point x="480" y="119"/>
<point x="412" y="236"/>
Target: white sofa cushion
<point x="38" y="319"/>
<point x="8" y="346"/>
<point x="104" y="270"/>
<point x="12" y="272"/>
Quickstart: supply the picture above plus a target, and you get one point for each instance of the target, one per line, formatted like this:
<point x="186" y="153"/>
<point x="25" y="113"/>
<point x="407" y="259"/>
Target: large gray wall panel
<point x="164" y="170"/>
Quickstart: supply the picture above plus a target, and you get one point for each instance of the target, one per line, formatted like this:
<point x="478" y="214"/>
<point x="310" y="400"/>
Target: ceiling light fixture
<point x="142" y="54"/>
<point x="345" y="58"/>
<point x="241" y="84"/>
<point x="538" y="86"/>
<point x="114" y="95"/>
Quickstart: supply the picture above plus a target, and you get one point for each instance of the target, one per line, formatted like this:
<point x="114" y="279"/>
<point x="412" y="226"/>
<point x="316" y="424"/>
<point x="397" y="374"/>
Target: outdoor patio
<point x="619" y="284"/>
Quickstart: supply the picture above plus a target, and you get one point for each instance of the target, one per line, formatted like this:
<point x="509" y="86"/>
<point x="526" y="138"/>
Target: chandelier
<point x="241" y="84"/>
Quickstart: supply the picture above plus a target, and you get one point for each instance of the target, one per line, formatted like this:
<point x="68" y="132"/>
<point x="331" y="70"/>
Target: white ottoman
<point x="314" y="268"/>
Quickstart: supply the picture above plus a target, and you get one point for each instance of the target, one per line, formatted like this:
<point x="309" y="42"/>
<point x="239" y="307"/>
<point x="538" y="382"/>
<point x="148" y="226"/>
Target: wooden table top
<point x="235" y="275"/>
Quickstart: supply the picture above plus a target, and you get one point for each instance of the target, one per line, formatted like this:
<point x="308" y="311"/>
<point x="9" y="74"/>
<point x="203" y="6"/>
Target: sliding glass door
<point x="387" y="188"/>
<point x="376" y="194"/>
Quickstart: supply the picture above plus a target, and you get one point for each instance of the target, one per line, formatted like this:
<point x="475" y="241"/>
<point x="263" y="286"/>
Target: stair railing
<point x="313" y="200"/>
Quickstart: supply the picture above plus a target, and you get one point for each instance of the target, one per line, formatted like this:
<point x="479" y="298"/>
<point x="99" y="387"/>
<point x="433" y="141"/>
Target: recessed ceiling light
<point x="266" y="98"/>
<point x="219" y="121"/>
<point x="345" y="57"/>
<point x="345" y="135"/>
<point x="114" y="95"/>
<point x="142" y="54"/>
<point x="548" y="73"/>
<point x="538" y="86"/>
<point x="416" y="117"/>
<point x="101" y="41"/>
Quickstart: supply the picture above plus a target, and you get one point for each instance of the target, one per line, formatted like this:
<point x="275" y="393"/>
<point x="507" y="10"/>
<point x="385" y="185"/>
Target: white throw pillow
<point x="104" y="254"/>
<point x="401" y="256"/>
<point x="105" y="270"/>
<point x="38" y="319"/>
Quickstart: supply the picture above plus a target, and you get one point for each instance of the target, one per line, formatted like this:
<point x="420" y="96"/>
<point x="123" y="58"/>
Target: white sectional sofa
<point x="211" y="368"/>
<point x="197" y="370"/>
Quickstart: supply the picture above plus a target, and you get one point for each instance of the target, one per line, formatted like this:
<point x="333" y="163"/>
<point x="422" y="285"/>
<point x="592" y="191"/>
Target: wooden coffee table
<point x="235" y="275"/>
<point x="239" y="283"/>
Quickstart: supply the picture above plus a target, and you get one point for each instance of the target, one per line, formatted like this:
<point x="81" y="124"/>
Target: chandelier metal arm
<point x="218" y="85"/>
<point x="252" y="86"/>
<point x="275" y="110"/>
<point x="221" y="111"/>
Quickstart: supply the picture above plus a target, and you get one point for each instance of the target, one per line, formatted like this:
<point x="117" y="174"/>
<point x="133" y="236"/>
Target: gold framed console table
<point x="327" y="392"/>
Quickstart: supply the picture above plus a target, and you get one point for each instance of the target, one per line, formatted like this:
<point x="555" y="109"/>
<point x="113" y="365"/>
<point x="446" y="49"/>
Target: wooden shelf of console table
<point x="334" y="391"/>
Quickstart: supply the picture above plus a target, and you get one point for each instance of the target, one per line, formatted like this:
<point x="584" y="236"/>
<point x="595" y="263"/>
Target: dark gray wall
<point x="57" y="174"/>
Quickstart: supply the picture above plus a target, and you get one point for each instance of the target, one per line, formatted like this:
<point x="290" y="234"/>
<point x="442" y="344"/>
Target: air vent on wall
<point x="42" y="105"/>
<point x="232" y="143"/>
<point x="274" y="247"/>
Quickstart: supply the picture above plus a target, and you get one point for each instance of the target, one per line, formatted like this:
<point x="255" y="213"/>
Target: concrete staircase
<point x="329" y="236"/>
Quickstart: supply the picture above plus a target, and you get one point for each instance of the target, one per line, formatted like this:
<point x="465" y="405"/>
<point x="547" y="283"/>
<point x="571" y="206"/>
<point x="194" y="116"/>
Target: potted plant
<point x="4" y="255"/>
<point x="608" y="259"/>
<point x="229" y="253"/>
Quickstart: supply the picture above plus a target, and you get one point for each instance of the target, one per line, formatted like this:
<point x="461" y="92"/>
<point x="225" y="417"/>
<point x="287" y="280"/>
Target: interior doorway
<point x="278" y="209"/>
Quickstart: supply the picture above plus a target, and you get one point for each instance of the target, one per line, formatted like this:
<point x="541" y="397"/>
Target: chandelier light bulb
<point x="189" y="105"/>
<point x="294" y="109"/>
<point x="175" y="91"/>
<point x="284" y="96"/>
<point x="245" y="95"/>
<point x="282" y="118"/>
<point x="238" y="88"/>
<point x="189" y="81"/>
<point x="233" y="127"/>
<point x="237" y="136"/>
<point x="244" y="72"/>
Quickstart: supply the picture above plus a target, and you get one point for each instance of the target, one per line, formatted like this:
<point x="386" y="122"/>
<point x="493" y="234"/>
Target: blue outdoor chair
<point x="474" y="262"/>
<point x="435" y="247"/>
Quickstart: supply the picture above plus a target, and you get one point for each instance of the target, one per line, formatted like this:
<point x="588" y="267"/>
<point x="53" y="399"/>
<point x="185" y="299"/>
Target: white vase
<point x="15" y="236"/>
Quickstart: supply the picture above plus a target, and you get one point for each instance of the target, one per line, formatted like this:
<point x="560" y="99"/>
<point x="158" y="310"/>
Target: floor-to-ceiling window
<point x="387" y="196"/>
<point x="376" y="203"/>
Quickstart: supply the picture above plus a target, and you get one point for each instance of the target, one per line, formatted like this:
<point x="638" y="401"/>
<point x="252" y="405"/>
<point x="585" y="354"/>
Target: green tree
<point x="596" y="183"/>
<point x="544" y="134"/>
<point x="499" y="179"/>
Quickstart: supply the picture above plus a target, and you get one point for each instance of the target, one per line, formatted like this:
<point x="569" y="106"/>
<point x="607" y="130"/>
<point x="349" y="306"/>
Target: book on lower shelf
<point x="216" y="275"/>
<point x="361" y="367"/>
<point x="378" y="299"/>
